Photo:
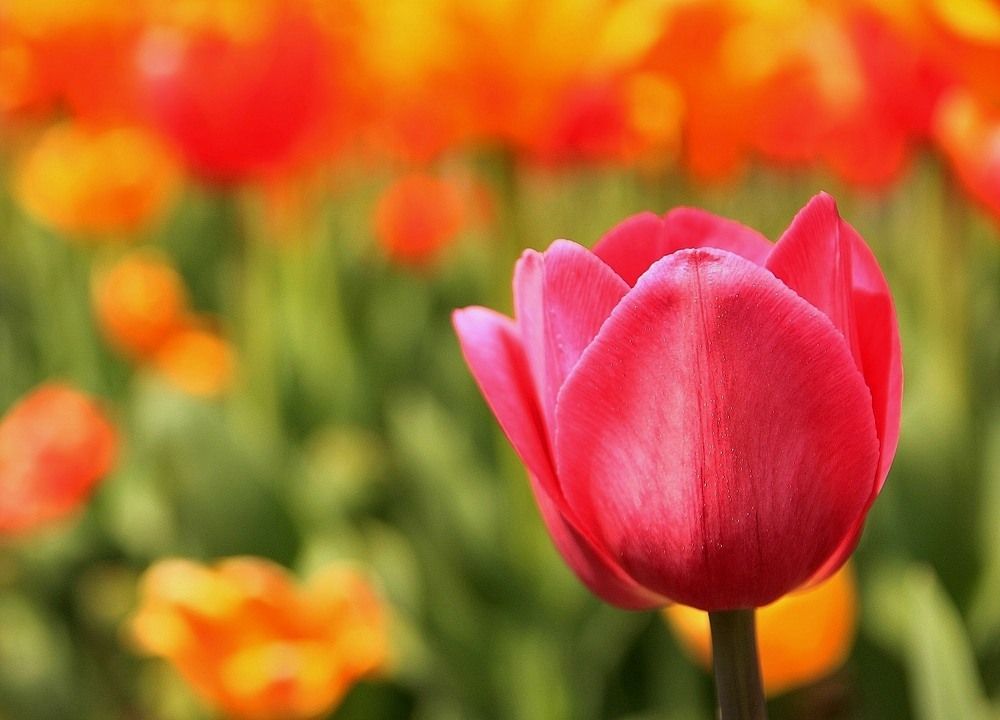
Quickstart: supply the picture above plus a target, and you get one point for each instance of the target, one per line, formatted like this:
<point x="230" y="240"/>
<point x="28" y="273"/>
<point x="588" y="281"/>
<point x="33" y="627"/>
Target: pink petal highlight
<point x="716" y="421"/>
<point x="632" y="246"/>
<point x="529" y="310"/>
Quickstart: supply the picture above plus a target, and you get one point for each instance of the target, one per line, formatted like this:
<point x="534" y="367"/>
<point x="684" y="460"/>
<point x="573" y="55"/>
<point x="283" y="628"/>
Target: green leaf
<point x="944" y="679"/>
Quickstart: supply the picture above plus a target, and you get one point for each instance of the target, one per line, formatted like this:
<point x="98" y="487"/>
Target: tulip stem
<point x="737" y="667"/>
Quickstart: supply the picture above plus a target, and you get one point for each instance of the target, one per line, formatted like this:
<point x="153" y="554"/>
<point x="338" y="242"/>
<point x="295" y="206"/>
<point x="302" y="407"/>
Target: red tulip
<point x="705" y="417"/>
<point x="235" y="108"/>
<point x="55" y="446"/>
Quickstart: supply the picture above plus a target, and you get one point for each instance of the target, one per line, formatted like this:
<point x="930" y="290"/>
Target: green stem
<point x="737" y="668"/>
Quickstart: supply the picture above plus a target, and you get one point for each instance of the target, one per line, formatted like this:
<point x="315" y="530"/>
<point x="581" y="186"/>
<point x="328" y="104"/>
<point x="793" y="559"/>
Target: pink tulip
<point x="705" y="417"/>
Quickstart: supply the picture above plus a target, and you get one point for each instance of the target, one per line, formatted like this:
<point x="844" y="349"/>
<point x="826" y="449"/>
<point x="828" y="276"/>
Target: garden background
<point x="239" y="230"/>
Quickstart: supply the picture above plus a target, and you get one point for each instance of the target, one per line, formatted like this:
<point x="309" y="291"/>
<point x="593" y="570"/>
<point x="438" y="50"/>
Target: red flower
<point x="705" y="417"/>
<point x="54" y="446"/>
<point x="236" y="106"/>
<point x="418" y="215"/>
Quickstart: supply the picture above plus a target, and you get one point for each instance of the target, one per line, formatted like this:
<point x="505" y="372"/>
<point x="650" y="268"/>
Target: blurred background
<point x="244" y="472"/>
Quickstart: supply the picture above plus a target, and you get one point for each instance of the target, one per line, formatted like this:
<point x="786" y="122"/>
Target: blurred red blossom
<point x="419" y="214"/>
<point x="236" y="91"/>
<point x="55" y="445"/>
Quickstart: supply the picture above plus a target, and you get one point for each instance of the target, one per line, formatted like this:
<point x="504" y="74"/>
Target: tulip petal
<point x="590" y="563"/>
<point x="529" y="310"/>
<point x="636" y="243"/>
<point x="881" y="350"/>
<point x="493" y="351"/>
<point x="741" y="450"/>
<point x="562" y="296"/>
<point x="815" y="259"/>
<point x="825" y="261"/>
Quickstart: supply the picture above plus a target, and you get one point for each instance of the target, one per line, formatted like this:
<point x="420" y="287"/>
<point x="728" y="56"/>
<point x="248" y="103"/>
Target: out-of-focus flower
<point x="55" y="445"/>
<point x="625" y="120"/>
<point x="23" y="88"/>
<point x="80" y="53"/>
<point x="690" y="52"/>
<point x="197" y="360"/>
<point x="451" y="71"/>
<point x="796" y="83"/>
<point x="968" y="133"/>
<point x="257" y="645"/>
<point x="419" y="214"/>
<point x="236" y="87"/>
<point x="142" y="308"/>
<point x="705" y="417"/>
<point x="961" y="36"/>
<point x="140" y="302"/>
<point x="802" y="637"/>
<point x="90" y="182"/>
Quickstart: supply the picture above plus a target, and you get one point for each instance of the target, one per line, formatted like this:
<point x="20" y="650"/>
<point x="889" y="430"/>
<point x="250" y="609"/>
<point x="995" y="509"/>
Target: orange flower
<point x="635" y="117"/>
<point x="55" y="444"/>
<point x="139" y="303"/>
<point x="82" y="52"/>
<point x="255" y="644"/>
<point x="196" y="360"/>
<point x="96" y="182"/>
<point x="968" y="133"/>
<point x="418" y="215"/>
<point x="802" y="637"/>
<point x="142" y="308"/>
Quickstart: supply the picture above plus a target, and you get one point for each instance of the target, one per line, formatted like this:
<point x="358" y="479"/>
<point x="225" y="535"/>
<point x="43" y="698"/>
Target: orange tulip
<point x="140" y="302"/>
<point x="418" y="215"/>
<point x="802" y="637"/>
<point x="254" y="643"/>
<point x="82" y="52"/>
<point x="55" y="445"/>
<point x="142" y="308"/>
<point x="196" y="360"/>
<point x="968" y="133"/>
<point x="96" y="182"/>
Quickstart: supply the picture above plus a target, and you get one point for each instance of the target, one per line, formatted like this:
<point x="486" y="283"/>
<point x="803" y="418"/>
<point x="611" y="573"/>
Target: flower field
<point x="254" y="466"/>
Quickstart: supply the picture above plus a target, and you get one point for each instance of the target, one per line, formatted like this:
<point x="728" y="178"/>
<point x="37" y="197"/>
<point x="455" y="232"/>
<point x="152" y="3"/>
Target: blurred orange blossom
<point x="256" y="644"/>
<point x="139" y="302"/>
<point x="97" y="182"/>
<point x="197" y="360"/>
<point x="967" y="131"/>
